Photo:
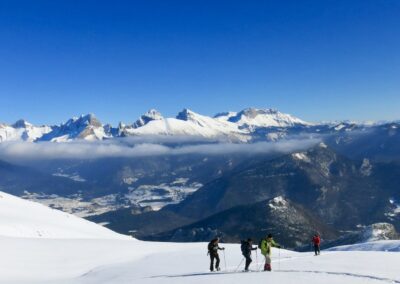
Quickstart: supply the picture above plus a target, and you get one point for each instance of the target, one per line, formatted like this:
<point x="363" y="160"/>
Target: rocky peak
<point x="21" y="123"/>
<point x="150" y="115"/>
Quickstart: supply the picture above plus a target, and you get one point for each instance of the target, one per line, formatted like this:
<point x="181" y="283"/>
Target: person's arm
<point x="275" y="244"/>
<point x="221" y="248"/>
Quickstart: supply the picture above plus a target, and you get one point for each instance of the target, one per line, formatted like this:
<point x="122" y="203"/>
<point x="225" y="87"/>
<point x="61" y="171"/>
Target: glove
<point x="279" y="247"/>
<point x="223" y="248"/>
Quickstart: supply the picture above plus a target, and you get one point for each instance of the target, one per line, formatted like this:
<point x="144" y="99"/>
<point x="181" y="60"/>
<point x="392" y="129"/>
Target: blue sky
<point x="318" y="60"/>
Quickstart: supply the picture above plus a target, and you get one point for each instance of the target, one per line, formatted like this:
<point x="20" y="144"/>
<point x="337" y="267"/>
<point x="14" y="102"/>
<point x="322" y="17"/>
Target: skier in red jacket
<point x="316" y="240"/>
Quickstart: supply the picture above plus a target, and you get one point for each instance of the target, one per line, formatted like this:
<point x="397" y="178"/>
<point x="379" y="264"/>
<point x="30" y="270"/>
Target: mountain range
<point x="344" y="179"/>
<point x="233" y="126"/>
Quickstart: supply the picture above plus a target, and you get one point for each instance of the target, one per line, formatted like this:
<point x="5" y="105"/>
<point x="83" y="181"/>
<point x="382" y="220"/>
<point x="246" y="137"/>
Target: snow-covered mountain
<point x="22" y="131"/>
<point x="252" y="117"/>
<point x="25" y="219"/>
<point x="147" y="117"/>
<point x="189" y="123"/>
<point x="231" y="126"/>
<point x="86" y="127"/>
<point x="248" y="125"/>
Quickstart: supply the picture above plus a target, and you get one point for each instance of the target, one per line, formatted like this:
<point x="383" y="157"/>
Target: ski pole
<point x="279" y="260"/>
<point x="257" y="259"/>
<point x="237" y="268"/>
<point x="224" y="259"/>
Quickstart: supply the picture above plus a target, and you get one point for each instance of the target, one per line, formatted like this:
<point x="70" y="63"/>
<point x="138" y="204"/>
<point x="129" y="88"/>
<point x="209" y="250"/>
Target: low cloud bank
<point x="128" y="148"/>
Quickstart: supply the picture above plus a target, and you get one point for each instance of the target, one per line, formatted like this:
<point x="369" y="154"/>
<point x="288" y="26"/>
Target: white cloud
<point x="137" y="148"/>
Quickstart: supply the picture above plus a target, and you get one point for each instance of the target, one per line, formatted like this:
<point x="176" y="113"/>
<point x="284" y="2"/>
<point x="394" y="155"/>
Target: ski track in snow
<point x="371" y="277"/>
<point x="344" y="274"/>
<point x="277" y="262"/>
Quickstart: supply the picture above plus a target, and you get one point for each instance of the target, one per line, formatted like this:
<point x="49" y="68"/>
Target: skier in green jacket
<point x="266" y="247"/>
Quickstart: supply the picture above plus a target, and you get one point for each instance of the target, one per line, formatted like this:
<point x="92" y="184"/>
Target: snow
<point x="382" y="245"/>
<point x="265" y="118"/>
<point x="132" y="261"/>
<point x="74" y="177"/>
<point x="26" y="219"/>
<point x="231" y="126"/>
<point x="301" y="157"/>
<point x="22" y="132"/>
<point x="278" y="203"/>
<point x="322" y="145"/>
<point x="152" y="114"/>
<point x="74" y="204"/>
<point x="366" y="167"/>
<point x="190" y="123"/>
<point x="88" y="253"/>
<point x="395" y="208"/>
<point x="129" y="180"/>
<point x="158" y="196"/>
<point x="339" y="127"/>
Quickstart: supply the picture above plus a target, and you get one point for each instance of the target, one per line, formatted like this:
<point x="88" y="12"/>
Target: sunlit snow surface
<point x="72" y="250"/>
<point x="132" y="261"/>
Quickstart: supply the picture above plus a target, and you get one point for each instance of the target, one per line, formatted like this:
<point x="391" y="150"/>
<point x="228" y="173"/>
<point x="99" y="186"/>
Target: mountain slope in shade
<point x="291" y="223"/>
<point x="25" y="219"/>
<point x="341" y="192"/>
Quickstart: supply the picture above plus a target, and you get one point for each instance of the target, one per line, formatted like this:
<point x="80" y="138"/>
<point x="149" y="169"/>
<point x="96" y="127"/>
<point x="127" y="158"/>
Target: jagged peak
<point x="186" y="114"/>
<point x="22" y="123"/>
<point x="153" y="113"/>
<point x="150" y="115"/>
<point x="84" y="119"/>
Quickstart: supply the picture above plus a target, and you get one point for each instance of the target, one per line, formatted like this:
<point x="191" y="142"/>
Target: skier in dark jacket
<point x="247" y="247"/>
<point x="213" y="248"/>
<point x="316" y="240"/>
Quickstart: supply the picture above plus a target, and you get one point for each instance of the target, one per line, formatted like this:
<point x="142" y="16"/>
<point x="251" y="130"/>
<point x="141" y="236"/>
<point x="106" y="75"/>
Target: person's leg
<point x="316" y="249"/>
<point x="267" y="266"/>
<point x="211" y="262"/>
<point x="319" y="249"/>
<point x="248" y="261"/>
<point x="217" y="262"/>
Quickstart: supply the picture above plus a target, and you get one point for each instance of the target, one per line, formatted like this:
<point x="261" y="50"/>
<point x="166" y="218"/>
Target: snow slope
<point x="25" y="219"/>
<point x="132" y="261"/>
<point x="71" y="250"/>
<point x="393" y="246"/>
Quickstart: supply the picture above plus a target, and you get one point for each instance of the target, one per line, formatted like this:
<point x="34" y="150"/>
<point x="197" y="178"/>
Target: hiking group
<point x="246" y="247"/>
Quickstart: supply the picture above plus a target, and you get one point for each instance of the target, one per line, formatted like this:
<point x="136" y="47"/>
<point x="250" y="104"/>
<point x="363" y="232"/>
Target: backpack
<point x="243" y="246"/>
<point x="210" y="246"/>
